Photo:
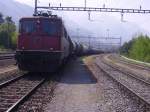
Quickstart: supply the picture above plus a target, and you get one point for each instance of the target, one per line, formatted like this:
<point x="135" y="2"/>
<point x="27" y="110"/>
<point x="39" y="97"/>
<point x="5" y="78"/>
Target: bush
<point x="8" y="35"/>
<point x="14" y="40"/>
<point x="138" y="48"/>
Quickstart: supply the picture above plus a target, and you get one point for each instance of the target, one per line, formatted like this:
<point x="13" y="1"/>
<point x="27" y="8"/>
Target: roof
<point x="41" y="17"/>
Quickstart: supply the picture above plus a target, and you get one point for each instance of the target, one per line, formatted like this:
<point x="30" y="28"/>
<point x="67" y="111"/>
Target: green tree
<point x="8" y="19"/>
<point x="14" y="40"/>
<point x="138" y="48"/>
<point x="7" y="33"/>
<point x="3" y="39"/>
<point x="1" y="18"/>
<point x="126" y="47"/>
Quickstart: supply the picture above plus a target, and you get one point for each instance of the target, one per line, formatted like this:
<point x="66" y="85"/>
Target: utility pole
<point x="8" y="39"/>
<point x="89" y="42"/>
<point x="78" y="34"/>
<point x="35" y="8"/>
<point x="85" y="3"/>
<point x="120" y="45"/>
<point x="120" y="41"/>
<point x="107" y="33"/>
<point x="89" y="15"/>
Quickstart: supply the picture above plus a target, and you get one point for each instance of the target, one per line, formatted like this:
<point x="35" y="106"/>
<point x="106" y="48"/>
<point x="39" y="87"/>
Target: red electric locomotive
<point x="43" y="43"/>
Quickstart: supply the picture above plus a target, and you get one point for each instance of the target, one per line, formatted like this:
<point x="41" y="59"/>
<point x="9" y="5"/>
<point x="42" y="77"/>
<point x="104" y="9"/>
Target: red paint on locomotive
<point x="43" y="44"/>
<point x="33" y="34"/>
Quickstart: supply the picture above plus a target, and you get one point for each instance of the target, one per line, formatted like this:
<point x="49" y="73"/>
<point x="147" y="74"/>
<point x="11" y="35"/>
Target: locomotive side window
<point x="50" y="27"/>
<point x="28" y="26"/>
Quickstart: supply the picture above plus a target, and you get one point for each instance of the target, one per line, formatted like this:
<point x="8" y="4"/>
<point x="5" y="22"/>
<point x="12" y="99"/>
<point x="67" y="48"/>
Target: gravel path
<point x="7" y="62"/>
<point x="8" y="73"/>
<point x="112" y="97"/>
<point x="79" y="91"/>
<point x="7" y="69"/>
<point x="76" y="91"/>
<point x="140" y="88"/>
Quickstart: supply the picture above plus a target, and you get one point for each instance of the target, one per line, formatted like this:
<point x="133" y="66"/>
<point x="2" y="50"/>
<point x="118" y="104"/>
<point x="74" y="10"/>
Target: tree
<point x="8" y="19"/>
<point x="138" y="48"/>
<point x="141" y="48"/>
<point x="7" y="33"/>
<point x="1" y="18"/>
<point x="14" y="40"/>
<point x="126" y="47"/>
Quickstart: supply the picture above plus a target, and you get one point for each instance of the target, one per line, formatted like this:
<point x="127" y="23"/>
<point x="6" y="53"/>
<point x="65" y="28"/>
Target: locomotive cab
<point x="36" y="33"/>
<point x="42" y="44"/>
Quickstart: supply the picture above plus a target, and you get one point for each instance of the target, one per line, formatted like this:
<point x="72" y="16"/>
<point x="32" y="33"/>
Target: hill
<point x="78" y="23"/>
<point x="15" y="9"/>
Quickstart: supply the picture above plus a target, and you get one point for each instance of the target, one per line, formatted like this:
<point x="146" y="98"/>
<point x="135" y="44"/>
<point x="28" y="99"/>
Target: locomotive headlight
<point x="38" y="21"/>
<point x="23" y="48"/>
<point x="51" y="48"/>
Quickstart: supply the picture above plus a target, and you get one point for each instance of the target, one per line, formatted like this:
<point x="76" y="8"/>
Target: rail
<point x="6" y="56"/>
<point x="130" y="90"/>
<point x="28" y="94"/>
<point x="23" y="86"/>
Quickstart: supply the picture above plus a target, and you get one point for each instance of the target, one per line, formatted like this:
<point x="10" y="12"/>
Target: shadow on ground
<point x="76" y="72"/>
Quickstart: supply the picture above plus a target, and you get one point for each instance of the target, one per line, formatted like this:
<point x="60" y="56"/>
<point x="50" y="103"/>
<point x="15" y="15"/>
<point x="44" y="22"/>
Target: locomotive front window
<point x="28" y="27"/>
<point x="50" y="27"/>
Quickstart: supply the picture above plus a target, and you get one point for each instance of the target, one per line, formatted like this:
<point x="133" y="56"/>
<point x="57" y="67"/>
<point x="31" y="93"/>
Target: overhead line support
<point x="96" y="9"/>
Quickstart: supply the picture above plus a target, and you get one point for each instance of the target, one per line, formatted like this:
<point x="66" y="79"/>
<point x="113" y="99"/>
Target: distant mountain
<point x="77" y="23"/>
<point x="15" y="9"/>
<point x="80" y="25"/>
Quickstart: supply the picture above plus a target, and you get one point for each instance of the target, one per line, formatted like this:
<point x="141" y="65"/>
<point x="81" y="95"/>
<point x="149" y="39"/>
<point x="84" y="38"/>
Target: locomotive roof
<point x="41" y="17"/>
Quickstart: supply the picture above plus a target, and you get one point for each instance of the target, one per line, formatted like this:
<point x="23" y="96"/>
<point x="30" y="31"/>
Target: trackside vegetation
<point x="138" y="48"/>
<point x="8" y="34"/>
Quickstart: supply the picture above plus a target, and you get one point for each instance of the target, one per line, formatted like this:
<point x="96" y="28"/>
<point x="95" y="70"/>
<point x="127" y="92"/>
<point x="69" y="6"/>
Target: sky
<point x="135" y="20"/>
<point x="109" y="3"/>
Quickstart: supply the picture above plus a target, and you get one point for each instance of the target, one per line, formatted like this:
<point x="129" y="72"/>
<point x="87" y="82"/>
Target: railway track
<point x="139" y="87"/>
<point x="143" y="75"/>
<point x="17" y="90"/>
<point x="6" y="56"/>
<point x="118" y="59"/>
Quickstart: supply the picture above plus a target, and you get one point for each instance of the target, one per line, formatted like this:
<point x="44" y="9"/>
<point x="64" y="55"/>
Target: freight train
<point x="44" y="44"/>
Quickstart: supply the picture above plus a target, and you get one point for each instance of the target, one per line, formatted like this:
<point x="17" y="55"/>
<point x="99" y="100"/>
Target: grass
<point x="135" y="61"/>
